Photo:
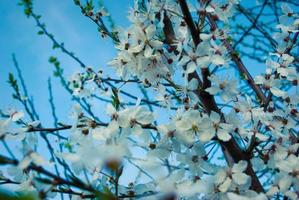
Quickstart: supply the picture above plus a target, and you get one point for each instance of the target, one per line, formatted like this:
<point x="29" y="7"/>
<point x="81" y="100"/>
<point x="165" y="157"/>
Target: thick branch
<point x="231" y="150"/>
<point x="188" y="19"/>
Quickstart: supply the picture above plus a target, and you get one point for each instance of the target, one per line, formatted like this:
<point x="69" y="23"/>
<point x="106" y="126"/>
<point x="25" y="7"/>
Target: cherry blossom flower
<point x="32" y="157"/>
<point x="225" y="178"/>
<point x="212" y="126"/>
<point x="144" y="40"/>
<point x="134" y="118"/>
<point x="227" y="89"/>
<point x="287" y="20"/>
<point x="195" y="57"/>
<point x="272" y="84"/>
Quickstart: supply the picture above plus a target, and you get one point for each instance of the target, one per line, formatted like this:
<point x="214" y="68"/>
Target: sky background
<point x="18" y="34"/>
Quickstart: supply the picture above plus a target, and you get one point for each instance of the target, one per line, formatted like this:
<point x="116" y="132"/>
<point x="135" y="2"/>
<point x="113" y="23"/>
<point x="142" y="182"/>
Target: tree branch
<point x="239" y="64"/>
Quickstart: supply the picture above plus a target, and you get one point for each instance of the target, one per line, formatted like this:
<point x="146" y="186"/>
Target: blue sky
<point x="65" y="21"/>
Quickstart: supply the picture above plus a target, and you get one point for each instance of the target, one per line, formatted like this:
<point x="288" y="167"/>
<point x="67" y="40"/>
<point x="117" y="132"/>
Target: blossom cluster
<point x="181" y="156"/>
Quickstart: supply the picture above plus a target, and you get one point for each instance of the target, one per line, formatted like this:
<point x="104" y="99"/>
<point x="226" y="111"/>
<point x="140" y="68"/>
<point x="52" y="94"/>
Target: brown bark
<point x="232" y="152"/>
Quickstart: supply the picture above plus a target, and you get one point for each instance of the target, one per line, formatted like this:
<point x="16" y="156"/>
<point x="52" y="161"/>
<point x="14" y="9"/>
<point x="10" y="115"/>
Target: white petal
<point x="272" y="191"/>
<point x="143" y="116"/>
<point x="215" y="117"/>
<point x="213" y="90"/>
<point x="186" y="139"/>
<point x="24" y="163"/>
<point x="277" y="92"/>
<point x="218" y="60"/>
<point x="148" y="52"/>
<point x="17" y="115"/>
<point x="193" y="84"/>
<point x="137" y="48"/>
<point x="286" y="8"/>
<point x="261" y="136"/>
<point x="204" y="36"/>
<point x="191" y="67"/>
<point x="240" y="166"/>
<point x="137" y="130"/>
<point x="225" y="185"/>
<point x="68" y="156"/>
<point x="292" y="195"/>
<point x="124" y="119"/>
<point x="284" y="183"/>
<point x="206" y="136"/>
<point x="210" y="9"/>
<point x="150" y="31"/>
<point x="37" y="159"/>
<point x="240" y="178"/>
<point x="233" y="196"/>
<point x="204" y="61"/>
<point x="156" y="44"/>
<point x="110" y="110"/>
<point x="223" y="135"/>
<point x="220" y="176"/>
<point x="259" y="79"/>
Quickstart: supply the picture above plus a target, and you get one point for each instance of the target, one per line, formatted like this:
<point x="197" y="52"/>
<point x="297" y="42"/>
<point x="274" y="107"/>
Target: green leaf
<point x="235" y="53"/>
<point x="40" y="32"/>
<point x="28" y="12"/>
<point x="243" y="76"/>
<point x="77" y="2"/>
<point x="89" y="6"/>
<point x="55" y="46"/>
<point x="13" y="83"/>
<point x="52" y="59"/>
<point x="57" y="64"/>
<point x="68" y="146"/>
<point x="229" y="39"/>
<point x="11" y="78"/>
